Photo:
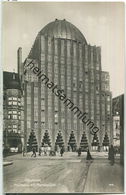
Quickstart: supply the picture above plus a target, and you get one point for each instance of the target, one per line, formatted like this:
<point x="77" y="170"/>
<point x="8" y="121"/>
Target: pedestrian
<point x="109" y="152"/>
<point x="112" y="155"/>
<point x="89" y="157"/>
<point x="24" y="151"/>
<point x="45" y="151"/>
<point x="33" y="152"/>
<point x="79" y="151"/>
<point x="98" y="148"/>
<point x="61" y="151"/>
<point x="40" y="151"/>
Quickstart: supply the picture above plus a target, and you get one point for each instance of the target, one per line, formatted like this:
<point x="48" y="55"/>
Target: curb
<point x="7" y="163"/>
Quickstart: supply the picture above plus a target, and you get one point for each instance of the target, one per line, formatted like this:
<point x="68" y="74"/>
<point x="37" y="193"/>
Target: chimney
<point x="19" y="61"/>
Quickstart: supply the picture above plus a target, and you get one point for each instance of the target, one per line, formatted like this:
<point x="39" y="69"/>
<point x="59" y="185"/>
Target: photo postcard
<point x="63" y="97"/>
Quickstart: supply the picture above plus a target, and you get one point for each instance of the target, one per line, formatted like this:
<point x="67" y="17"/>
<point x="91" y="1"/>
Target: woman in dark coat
<point x="112" y="155"/>
<point x="34" y="152"/>
<point x="62" y="151"/>
<point x="79" y="152"/>
<point x="89" y="157"/>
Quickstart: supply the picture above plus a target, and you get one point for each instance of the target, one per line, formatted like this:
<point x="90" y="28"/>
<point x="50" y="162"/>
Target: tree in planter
<point x="59" y="141"/>
<point x="95" y="142"/>
<point x="106" y="142"/>
<point x="32" y="141"/>
<point x="72" y="142"/>
<point x="46" y="139"/>
<point x="84" y="142"/>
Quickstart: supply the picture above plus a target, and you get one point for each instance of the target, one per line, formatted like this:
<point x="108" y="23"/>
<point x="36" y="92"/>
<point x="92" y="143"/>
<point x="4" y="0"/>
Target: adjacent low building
<point x="12" y="108"/>
<point x="118" y="124"/>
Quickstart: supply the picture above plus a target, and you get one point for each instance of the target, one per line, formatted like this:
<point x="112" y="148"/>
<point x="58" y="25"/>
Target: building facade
<point x="12" y="108"/>
<point x="118" y="124"/>
<point x="62" y="53"/>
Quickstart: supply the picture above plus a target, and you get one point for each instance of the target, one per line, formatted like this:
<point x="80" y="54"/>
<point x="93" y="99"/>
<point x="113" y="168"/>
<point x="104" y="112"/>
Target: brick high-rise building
<point x="61" y="51"/>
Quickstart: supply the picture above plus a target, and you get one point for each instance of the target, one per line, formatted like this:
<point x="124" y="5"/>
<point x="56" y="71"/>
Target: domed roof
<point x="63" y="29"/>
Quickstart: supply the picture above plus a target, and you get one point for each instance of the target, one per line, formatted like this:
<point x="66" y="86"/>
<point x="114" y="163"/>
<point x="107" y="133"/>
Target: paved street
<point x="62" y="174"/>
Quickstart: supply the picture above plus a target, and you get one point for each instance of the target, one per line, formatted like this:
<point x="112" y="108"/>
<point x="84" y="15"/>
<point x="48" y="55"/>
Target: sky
<point x="102" y="24"/>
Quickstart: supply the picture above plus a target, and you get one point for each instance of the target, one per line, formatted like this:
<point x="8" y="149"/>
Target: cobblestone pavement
<point x="69" y="173"/>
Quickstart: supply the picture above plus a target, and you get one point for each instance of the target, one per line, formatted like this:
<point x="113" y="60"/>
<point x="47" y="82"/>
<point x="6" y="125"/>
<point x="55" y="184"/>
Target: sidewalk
<point x="66" y="155"/>
<point x="102" y="177"/>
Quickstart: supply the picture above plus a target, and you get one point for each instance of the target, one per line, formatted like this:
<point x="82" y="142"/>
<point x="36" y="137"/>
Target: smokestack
<point x="19" y="61"/>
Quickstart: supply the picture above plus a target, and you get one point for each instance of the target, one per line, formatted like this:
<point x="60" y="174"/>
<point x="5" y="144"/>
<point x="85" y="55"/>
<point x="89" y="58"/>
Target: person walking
<point x="34" y="152"/>
<point x="89" y="157"/>
<point x="112" y="155"/>
<point x="40" y="151"/>
<point x="109" y="152"/>
<point x="61" y="151"/>
<point x="79" y="151"/>
<point x="24" y="153"/>
<point x="45" y="151"/>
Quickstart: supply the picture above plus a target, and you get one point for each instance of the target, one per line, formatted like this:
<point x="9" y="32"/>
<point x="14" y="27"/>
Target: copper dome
<point x="63" y="29"/>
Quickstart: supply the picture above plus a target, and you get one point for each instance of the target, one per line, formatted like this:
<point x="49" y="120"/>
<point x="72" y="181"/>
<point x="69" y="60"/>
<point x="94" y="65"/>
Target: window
<point x="108" y="108"/>
<point x="86" y="77"/>
<point x="15" y="130"/>
<point x="68" y="48"/>
<point x="86" y="97"/>
<point x="14" y="116"/>
<point x="10" y="98"/>
<point x="74" y="50"/>
<point x="97" y="76"/>
<point x="14" y="112"/>
<point x="108" y="98"/>
<point x="86" y="87"/>
<point x="97" y="98"/>
<point x="97" y="87"/>
<point x="62" y="47"/>
<point x="107" y="77"/>
<point x="97" y="66"/>
<point x="80" y="84"/>
<point x="10" y="103"/>
<point x="14" y="98"/>
<point x="14" y="103"/>
<point x="9" y="116"/>
<point x="9" y="130"/>
<point x="9" y="112"/>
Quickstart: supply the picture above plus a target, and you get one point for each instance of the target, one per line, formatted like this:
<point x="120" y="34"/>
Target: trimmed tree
<point x="84" y="142"/>
<point x="95" y="141"/>
<point x="72" y="142"/>
<point x="46" y="139"/>
<point x="59" y="140"/>
<point x="32" y="141"/>
<point x="106" y="140"/>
